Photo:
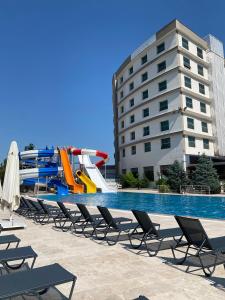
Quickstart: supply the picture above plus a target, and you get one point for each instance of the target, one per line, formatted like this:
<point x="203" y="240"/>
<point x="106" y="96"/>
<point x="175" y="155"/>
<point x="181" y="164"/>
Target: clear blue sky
<point x="57" y="58"/>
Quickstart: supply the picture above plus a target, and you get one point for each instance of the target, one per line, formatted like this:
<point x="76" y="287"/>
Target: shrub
<point x="143" y="183"/>
<point x="164" y="188"/>
<point x="129" y="180"/>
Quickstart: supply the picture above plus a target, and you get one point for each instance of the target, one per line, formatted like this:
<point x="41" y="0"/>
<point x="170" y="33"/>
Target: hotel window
<point x="144" y="76"/>
<point x="162" y="85"/>
<point x="122" y="124"/>
<point x="124" y="171"/>
<point x="200" y="70"/>
<point x="185" y="43"/>
<point x="145" y="112"/>
<point x="189" y="102"/>
<point x="165" y="143"/>
<point x="131" y="86"/>
<point x="131" y="70"/>
<point x="145" y="94"/>
<point x="164" y="125"/>
<point x="122" y="139"/>
<point x="205" y="143"/>
<point x="131" y="102"/>
<point x="121" y="94"/>
<point x="144" y="59"/>
<point x="191" y="141"/>
<point x="147" y="147"/>
<point x="132" y="119"/>
<point x="134" y="171"/>
<point x="203" y="107"/>
<point x="186" y="62"/>
<point x="201" y="88"/>
<point x="162" y="66"/>
<point x="121" y="79"/>
<point x="132" y="135"/>
<point x="187" y="81"/>
<point x="121" y="109"/>
<point x="163" y="105"/>
<point x="190" y="123"/>
<point x="133" y="150"/>
<point x="160" y="48"/>
<point x="204" y="127"/>
<point x="146" y="130"/>
<point x="123" y="153"/>
<point x="199" y="52"/>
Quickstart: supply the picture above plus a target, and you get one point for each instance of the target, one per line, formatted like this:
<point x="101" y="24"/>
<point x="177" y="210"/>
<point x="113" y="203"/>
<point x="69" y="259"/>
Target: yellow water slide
<point x="68" y="173"/>
<point x="90" y="185"/>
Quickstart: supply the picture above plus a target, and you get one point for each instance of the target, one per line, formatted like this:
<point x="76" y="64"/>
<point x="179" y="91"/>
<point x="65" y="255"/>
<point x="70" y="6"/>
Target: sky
<point x="57" y="59"/>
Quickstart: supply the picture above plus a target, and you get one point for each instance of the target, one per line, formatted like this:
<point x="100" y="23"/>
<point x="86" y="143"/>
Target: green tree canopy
<point x="176" y="176"/>
<point x="206" y="174"/>
<point x="29" y="147"/>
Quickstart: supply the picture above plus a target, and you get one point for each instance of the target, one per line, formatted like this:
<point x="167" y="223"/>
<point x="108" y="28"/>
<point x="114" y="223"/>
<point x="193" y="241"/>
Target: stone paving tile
<point x="118" y="273"/>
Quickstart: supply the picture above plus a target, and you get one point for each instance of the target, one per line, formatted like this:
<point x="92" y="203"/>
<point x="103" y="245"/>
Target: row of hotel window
<point x="163" y="105"/>
<point x="162" y="66"/>
<point x="163" y="86"/>
<point x="165" y="144"/>
<point x="164" y="125"/>
<point x="160" y="48"/>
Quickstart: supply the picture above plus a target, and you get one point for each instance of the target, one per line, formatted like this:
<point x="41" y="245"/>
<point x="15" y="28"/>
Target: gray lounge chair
<point x="150" y="235"/>
<point x="17" y="254"/>
<point x="207" y="252"/>
<point x="35" y="282"/>
<point x="112" y="226"/>
<point x="68" y="218"/>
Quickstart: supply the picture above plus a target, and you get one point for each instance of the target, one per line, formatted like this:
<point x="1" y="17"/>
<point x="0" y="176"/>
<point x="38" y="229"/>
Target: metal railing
<point x="194" y="189"/>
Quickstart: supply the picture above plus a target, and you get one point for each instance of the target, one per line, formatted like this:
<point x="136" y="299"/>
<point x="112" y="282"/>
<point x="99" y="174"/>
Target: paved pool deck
<point x="117" y="272"/>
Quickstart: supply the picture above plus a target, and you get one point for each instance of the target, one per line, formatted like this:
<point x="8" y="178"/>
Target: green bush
<point x="143" y="183"/>
<point x="161" y="181"/>
<point x="164" y="188"/>
<point x="129" y="180"/>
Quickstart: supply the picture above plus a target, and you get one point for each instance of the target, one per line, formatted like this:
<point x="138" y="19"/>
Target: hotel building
<point x="169" y="102"/>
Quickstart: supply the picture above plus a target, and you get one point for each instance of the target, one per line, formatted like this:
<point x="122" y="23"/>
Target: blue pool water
<point x="196" y="206"/>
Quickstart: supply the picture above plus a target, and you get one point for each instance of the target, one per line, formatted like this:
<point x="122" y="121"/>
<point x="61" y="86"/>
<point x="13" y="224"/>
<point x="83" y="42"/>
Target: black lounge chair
<point x="93" y="220"/>
<point x="147" y="231"/>
<point x="16" y="254"/>
<point x="47" y="214"/>
<point x="68" y="216"/>
<point x="208" y="252"/>
<point x="35" y="282"/>
<point x="112" y="226"/>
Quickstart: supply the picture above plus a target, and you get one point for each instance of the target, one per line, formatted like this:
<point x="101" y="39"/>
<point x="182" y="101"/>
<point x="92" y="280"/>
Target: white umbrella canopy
<point x="11" y="188"/>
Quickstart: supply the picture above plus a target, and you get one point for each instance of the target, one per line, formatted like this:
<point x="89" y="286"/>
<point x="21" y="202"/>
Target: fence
<point x="194" y="189"/>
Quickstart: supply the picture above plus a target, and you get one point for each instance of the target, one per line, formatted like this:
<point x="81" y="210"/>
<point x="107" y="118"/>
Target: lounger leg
<point x="181" y="261"/>
<point x="33" y="263"/>
<point x="8" y="245"/>
<point x="72" y="288"/>
<point x="112" y="243"/>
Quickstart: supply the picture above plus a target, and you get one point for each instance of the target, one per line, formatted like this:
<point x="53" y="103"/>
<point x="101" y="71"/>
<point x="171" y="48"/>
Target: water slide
<point x="90" y="185"/>
<point x="94" y="174"/>
<point x="68" y="173"/>
<point x="32" y="176"/>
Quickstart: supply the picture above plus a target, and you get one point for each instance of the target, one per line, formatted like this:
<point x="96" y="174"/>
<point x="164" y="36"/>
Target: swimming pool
<point x="196" y="206"/>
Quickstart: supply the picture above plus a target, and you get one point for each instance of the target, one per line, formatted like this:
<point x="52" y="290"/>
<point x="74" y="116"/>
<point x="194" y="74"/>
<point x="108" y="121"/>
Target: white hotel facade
<point x="169" y="102"/>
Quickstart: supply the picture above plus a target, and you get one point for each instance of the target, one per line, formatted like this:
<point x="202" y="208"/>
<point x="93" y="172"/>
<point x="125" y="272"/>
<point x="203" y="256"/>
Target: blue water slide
<point x="61" y="189"/>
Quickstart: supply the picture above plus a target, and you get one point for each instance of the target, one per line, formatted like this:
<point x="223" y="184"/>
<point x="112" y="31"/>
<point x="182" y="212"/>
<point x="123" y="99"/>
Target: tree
<point x="176" y="176"/>
<point x="129" y="180"/>
<point x="29" y="147"/>
<point x="206" y="174"/>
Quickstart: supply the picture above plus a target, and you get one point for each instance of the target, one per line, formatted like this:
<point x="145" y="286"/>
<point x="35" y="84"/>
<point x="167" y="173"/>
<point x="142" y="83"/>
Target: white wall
<point x="198" y="149"/>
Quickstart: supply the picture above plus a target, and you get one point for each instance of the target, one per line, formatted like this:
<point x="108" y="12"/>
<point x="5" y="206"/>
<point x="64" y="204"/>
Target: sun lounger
<point x="93" y="220"/>
<point x="47" y="214"/>
<point x="112" y="226"/>
<point x="17" y="254"/>
<point x="147" y="231"/>
<point x="207" y="252"/>
<point x="68" y="217"/>
<point x="35" y="281"/>
<point x="8" y="239"/>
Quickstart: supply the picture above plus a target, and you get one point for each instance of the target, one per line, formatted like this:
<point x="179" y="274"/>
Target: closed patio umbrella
<point x="11" y="188"/>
